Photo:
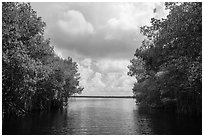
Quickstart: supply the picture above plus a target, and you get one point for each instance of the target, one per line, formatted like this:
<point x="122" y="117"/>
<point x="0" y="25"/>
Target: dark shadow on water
<point x="38" y="123"/>
<point x="100" y="117"/>
<point x="169" y="123"/>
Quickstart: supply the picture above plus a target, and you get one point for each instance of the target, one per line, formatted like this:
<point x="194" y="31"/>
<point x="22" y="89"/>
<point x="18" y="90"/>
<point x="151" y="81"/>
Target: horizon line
<point x="100" y="96"/>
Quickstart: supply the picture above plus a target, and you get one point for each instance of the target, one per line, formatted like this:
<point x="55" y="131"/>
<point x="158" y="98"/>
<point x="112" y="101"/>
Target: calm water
<point x="102" y="116"/>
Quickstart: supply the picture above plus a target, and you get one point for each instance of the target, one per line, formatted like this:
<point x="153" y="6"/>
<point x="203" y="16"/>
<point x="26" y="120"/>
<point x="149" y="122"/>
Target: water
<point x="102" y="116"/>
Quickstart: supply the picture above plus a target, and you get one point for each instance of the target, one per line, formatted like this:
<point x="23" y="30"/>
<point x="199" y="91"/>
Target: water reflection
<point x="103" y="116"/>
<point x="167" y="123"/>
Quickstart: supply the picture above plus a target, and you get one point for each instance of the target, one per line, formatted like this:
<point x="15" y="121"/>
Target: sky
<point x="100" y="37"/>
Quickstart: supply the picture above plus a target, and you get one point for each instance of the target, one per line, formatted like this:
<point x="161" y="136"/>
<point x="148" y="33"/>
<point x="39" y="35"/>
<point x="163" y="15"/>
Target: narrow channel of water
<point x="102" y="116"/>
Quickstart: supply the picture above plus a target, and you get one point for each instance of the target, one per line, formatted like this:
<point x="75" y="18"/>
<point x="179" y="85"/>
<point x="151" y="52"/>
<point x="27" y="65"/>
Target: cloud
<point x="105" y="80"/>
<point x="74" y="23"/>
<point x="90" y="79"/>
<point x="97" y="30"/>
<point x="101" y="38"/>
<point x="160" y="11"/>
<point x="85" y="71"/>
<point x="86" y="62"/>
<point x="110" y="65"/>
<point x="97" y="82"/>
<point x="132" y="16"/>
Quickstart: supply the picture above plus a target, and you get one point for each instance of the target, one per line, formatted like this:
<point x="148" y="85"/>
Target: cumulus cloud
<point x="112" y="65"/>
<point x="74" y="23"/>
<point x="97" y="30"/>
<point x="132" y="16"/>
<point x="86" y="62"/>
<point x="85" y="70"/>
<point x="101" y="37"/>
<point x="104" y="79"/>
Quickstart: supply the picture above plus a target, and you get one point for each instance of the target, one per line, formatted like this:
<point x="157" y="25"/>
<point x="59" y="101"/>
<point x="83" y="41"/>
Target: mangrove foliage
<point x="33" y="76"/>
<point x="168" y="64"/>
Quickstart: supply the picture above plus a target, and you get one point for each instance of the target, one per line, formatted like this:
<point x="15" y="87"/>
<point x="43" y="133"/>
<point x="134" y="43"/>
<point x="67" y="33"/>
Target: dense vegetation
<point x="33" y="76"/>
<point x="168" y="65"/>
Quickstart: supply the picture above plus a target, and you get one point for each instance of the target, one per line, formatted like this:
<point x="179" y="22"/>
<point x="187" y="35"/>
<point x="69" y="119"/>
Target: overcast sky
<point x="100" y="37"/>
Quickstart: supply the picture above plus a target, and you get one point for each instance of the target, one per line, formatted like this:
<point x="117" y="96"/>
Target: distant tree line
<point x="168" y="65"/>
<point x="33" y="76"/>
